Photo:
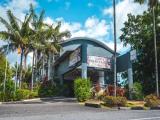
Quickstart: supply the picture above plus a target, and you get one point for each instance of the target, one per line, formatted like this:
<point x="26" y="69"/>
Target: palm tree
<point x="152" y="5"/>
<point x="47" y="38"/>
<point x="17" y="35"/>
<point x="53" y="37"/>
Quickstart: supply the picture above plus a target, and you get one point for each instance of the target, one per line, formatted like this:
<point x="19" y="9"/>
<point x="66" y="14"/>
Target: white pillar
<point x="84" y="70"/>
<point x="101" y="78"/>
<point x="130" y="81"/>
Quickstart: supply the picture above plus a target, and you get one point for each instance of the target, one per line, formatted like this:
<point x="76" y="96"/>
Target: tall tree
<point x="138" y="33"/>
<point x="46" y="40"/>
<point x="17" y="35"/>
<point x="153" y="4"/>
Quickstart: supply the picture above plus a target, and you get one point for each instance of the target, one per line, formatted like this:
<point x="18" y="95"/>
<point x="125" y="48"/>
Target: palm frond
<point x="40" y="20"/>
<point x="6" y="24"/>
<point x="6" y="49"/>
<point x="4" y="35"/>
<point x="140" y="1"/>
<point x="13" y="20"/>
<point x="66" y="34"/>
<point x="57" y="28"/>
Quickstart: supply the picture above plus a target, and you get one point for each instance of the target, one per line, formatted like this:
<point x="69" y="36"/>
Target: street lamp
<point x="155" y="48"/>
<point x="115" y="48"/>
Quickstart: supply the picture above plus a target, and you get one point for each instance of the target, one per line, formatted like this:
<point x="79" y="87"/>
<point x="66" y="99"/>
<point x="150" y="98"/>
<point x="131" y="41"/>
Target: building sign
<point x="133" y="55"/>
<point x="99" y="62"/>
<point x="75" y="57"/>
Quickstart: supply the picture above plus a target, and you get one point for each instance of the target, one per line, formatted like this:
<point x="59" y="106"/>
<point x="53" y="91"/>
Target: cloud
<point x="90" y="4"/>
<point x="120" y="47"/>
<point x="123" y="8"/>
<point x="92" y="28"/>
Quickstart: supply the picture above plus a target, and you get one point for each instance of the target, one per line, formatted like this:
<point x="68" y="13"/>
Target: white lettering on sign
<point x="99" y="62"/>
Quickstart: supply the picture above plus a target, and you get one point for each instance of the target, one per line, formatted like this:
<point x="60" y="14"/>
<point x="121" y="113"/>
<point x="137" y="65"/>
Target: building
<point x="86" y="58"/>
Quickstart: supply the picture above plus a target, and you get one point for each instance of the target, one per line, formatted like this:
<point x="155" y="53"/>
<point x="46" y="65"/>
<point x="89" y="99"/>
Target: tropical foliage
<point x="113" y="101"/>
<point x="32" y="35"/>
<point x="2" y="69"/>
<point x="138" y="32"/>
<point x="151" y="101"/>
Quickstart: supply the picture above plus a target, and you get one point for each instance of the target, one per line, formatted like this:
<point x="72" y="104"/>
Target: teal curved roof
<point x="89" y="39"/>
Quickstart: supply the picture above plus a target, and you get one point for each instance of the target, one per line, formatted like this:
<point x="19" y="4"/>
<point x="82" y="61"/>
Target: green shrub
<point x="82" y="89"/>
<point x="33" y="94"/>
<point x="9" y="91"/>
<point x="151" y="101"/>
<point x="137" y="91"/>
<point x="24" y="85"/>
<point x="1" y="96"/>
<point x="46" y="89"/>
<point x="112" y="101"/>
<point x="22" y="94"/>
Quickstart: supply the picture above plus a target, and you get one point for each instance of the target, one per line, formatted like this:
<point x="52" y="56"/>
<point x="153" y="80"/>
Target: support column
<point x="130" y="81"/>
<point x="101" y="78"/>
<point x="84" y="70"/>
<point x="84" y="61"/>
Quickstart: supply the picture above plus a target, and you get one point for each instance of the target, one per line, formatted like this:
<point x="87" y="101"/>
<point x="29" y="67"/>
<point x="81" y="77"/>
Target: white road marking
<point x="151" y="118"/>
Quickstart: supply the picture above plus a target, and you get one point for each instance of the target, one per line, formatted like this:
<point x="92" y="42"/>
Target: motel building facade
<point x="88" y="58"/>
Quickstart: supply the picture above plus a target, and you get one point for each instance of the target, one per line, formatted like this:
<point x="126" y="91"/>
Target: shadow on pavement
<point x="59" y="99"/>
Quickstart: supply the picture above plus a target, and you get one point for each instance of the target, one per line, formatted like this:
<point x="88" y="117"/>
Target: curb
<point x="154" y="108"/>
<point x="24" y="101"/>
<point x="137" y="108"/>
<point x="93" y="105"/>
<point x="33" y="100"/>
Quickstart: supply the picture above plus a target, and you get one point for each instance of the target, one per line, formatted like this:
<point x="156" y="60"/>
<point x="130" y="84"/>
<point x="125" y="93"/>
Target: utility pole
<point x="155" y="48"/>
<point x="115" y="48"/>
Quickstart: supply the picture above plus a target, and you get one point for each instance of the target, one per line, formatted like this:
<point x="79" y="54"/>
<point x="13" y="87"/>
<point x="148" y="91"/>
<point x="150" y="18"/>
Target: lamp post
<point x="155" y="48"/>
<point x="115" y="48"/>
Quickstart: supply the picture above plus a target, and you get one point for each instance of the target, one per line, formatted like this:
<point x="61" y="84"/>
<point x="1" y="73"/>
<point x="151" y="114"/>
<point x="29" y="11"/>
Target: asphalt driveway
<point x="69" y="109"/>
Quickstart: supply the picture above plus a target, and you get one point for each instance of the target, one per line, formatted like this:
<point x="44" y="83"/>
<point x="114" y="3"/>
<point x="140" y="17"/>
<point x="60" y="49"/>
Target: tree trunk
<point x="25" y="61"/>
<point x="43" y="68"/>
<point x="35" y="58"/>
<point x="32" y="70"/>
<point x="21" y="69"/>
<point x="49" y="66"/>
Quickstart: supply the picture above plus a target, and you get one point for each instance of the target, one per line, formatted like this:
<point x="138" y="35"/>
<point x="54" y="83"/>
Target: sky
<point x="83" y="18"/>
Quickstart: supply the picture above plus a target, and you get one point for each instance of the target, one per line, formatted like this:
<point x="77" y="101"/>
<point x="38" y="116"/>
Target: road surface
<point x="69" y="110"/>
